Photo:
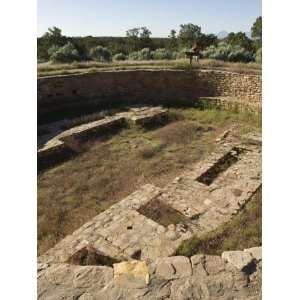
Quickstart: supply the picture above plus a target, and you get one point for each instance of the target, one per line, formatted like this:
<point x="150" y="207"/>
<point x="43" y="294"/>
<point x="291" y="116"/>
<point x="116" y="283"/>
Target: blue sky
<point x="113" y="18"/>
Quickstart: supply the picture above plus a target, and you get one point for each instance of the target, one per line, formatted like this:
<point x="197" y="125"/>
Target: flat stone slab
<point x="65" y="143"/>
<point x="256" y="252"/>
<point x="131" y="275"/>
<point x="239" y="259"/>
<point x="100" y="126"/>
<point x="173" y="267"/>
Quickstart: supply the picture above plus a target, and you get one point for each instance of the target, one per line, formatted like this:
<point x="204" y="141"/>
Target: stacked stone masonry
<point x="146" y="86"/>
<point x="123" y="230"/>
<point x="53" y="148"/>
<point x="141" y="242"/>
<point x="234" y="275"/>
<point x="124" y="234"/>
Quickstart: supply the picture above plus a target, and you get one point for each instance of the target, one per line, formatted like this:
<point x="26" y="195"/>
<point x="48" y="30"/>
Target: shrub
<point x="258" y="56"/>
<point x="161" y="53"/>
<point x="100" y="53"/>
<point x="181" y="53"/>
<point x="226" y="52"/>
<point x="239" y="54"/>
<point x="144" y="54"/>
<point x="65" y="54"/>
<point x="52" y="50"/>
<point x="174" y="55"/>
<point x="134" y="55"/>
<point x="120" y="56"/>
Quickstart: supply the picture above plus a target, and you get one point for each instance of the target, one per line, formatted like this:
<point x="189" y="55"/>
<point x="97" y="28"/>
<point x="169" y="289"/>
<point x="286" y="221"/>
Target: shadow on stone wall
<point x="69" y="96"/>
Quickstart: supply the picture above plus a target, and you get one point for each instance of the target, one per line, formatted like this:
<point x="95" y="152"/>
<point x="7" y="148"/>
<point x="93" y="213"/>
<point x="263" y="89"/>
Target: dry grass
<point x="72" y="193"/>
<point x="243" y="231"/>
<point x="49" y="69"/>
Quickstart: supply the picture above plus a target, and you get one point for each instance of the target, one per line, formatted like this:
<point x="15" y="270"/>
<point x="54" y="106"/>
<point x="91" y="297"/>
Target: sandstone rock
<point x="180" y="227"/>
<point x="86" y="296"/>
<point x="189" y="289"/>
<point x="42" y="266"/>
<point x="171" y="227"/>
<point x="214" y="264"/>
<point x="177" y="179"/>
<point x="237" y="192"/>
<point x="207" y="202"/>
<point x="223" y="136"/>
<point x="240" y="259"/>
<point x="172" y="235"/>
<point x="219" y="285"/>
<point x="132" y="274"/>
<point x="255" y="252"/>
<point x="160" y="229"/>
<point x="173" y="267"/>
<point x="110" y="292"/>
<point x="198" y="265"/>
<point x="87" y="276"/>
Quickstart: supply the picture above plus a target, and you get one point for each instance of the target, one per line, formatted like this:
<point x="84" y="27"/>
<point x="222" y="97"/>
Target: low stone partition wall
<point x="60" y="94"/>
<point x="62" y="146"/>
<point x="152" y="222"/>
<point x="126" y="252"/>
<point x="55" y="151"/>
<point x="234" y="275"/>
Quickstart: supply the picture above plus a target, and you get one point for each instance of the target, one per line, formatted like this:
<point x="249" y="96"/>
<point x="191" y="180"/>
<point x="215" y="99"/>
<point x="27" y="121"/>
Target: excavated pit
<point x="89" y="256"/>
<point x="224" y="163"/>
<point x="162" y="214"/>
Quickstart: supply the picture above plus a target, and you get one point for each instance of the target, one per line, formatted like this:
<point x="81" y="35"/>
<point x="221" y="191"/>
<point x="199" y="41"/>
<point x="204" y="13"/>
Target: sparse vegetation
<point x="120" y="56"/>
<point x="100" y="53"/>
<point x="65" y="54"/>
<point x="46" y="69"/>
<point x="139" y="45"/>
<point x="258" y="56"/>
<point x="160" y="54"/>
<point x="227" y="52"/>
<point x="72" y="193"/>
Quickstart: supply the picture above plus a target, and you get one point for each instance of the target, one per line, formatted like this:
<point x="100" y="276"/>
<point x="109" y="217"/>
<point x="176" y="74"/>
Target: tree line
<point x="139" y="45"/>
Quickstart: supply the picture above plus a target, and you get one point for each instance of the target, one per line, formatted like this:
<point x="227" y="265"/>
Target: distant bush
<point x="239" y="54"/>
<point x="228" y="52"/>
<point x="134" y="55"/>
<point x="120" y="56"/>
<point x="65" y="54"/>
<point x="144" y="54"/>
<point x="174" y="54"/>
<point x="162" y="53"/>
<point x="52" y="50"/>
<point x="100" y="53"/>
<point x="181" y="53"/>
<point x="258" y="56"/>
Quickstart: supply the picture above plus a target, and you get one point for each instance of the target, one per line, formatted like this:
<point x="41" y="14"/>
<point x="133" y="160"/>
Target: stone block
<point x="173" y="267"/>
<point x="239" y="259"/>
<point x="255" y="252"/>
<point x="131" y="275"/>
<point x="214" y="264"/>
